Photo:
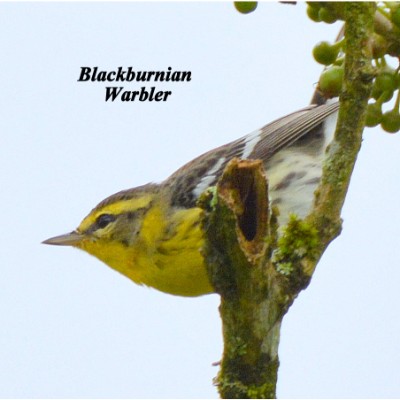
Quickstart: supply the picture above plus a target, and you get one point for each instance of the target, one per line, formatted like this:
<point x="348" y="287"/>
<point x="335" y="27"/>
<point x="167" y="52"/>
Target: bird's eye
<point x="104" y="219"/>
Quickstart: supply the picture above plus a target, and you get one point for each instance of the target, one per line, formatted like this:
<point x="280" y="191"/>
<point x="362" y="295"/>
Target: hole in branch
<point x="248" y="221"/>
<point x="243" y="187"/>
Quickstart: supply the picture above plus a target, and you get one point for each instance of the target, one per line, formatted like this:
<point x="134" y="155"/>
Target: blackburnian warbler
<point x="154" y="234"/>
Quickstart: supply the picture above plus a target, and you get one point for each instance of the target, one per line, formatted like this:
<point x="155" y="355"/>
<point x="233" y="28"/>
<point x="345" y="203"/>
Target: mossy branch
<point x="241" y="233"/>
<point x="342" y="153"/>
<point x="257" y="274"/>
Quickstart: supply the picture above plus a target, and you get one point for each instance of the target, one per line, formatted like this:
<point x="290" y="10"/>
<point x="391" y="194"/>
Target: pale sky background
<point x="72" y="327"/>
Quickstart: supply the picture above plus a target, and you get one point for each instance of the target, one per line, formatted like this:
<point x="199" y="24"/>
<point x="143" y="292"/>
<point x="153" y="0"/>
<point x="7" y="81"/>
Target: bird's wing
<point x="196" y="176"/>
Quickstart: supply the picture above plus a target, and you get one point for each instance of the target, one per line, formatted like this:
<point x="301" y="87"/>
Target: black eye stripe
<point x="131" y="215"/>
<point x="104" y="219"/>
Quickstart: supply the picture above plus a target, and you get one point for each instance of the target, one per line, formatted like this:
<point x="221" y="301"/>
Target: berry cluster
<point x="385" y="45"/>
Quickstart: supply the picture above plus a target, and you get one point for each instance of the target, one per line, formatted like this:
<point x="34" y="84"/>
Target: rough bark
<point x="259" y="274"/>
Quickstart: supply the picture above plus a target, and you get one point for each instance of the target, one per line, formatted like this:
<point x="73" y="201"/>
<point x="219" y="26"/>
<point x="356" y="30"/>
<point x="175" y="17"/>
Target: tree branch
<point x="259" y="274"/>
<point x="342" y="153"/>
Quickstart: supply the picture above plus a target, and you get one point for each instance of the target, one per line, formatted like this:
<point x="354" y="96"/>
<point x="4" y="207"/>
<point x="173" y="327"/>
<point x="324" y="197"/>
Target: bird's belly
<point x="293" y="177"/>
<point x="180" y="272"/>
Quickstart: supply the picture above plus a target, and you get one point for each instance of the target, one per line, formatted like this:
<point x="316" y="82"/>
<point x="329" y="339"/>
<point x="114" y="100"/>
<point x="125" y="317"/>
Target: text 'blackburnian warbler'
<point x="154" y="234"/>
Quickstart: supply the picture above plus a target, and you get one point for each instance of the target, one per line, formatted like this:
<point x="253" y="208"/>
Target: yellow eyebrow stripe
<point x="119" y="207"/>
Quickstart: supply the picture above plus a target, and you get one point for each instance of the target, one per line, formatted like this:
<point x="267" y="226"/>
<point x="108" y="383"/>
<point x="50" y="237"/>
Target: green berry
<point x="327" y="15"/>
<point x="330" y="82"/>
<point x="313" y="13"/>
<point x="374" y="115"/>
<point x="325" y="54"/>
<point x="391" y="121"/>
<point x="245" y="7"/>
<point x="385" y="81"/>
<point x="384" y="86"/>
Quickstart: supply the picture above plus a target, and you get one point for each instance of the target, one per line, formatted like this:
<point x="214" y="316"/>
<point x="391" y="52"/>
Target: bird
<point x="154" y="234"/>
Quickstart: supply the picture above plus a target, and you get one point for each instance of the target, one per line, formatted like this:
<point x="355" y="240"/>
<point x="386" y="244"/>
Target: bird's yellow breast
<point x="166" y="255"/>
